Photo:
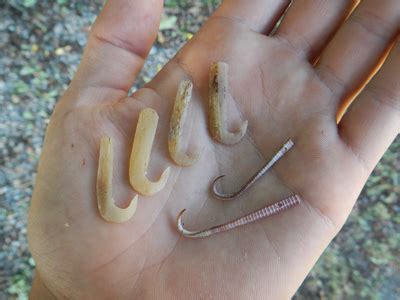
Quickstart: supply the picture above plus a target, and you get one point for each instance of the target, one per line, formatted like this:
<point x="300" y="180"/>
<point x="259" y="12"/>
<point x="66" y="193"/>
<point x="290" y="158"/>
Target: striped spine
<point x="267" y="211"/>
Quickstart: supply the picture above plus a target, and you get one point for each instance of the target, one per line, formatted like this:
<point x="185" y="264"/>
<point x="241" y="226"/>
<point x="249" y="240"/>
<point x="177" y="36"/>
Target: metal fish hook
<point x="267" y="211"/>
<point x="285" y="148"/>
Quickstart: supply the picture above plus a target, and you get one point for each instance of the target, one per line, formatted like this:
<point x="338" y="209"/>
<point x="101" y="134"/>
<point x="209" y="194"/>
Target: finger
<point x="373" y="120"/>
<point x="357" y="48"/>
<point x="309" y="24"/>
<point x="118" y="45"/>
<point x="258" y="15"/>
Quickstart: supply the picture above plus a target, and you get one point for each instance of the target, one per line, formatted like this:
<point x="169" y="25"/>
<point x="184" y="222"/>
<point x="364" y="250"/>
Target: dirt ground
<point x="40" y="45"/>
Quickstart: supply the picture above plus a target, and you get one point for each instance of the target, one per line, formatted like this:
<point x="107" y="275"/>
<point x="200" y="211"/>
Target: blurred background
<point x="40" y="47"/>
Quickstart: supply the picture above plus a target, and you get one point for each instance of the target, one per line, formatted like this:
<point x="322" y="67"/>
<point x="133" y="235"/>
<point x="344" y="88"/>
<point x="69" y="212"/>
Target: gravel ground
<point x="40" y="45"/>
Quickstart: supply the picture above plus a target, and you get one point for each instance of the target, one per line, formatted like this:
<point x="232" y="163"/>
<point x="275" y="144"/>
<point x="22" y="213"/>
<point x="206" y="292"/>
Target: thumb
<point x="118" y="45"/>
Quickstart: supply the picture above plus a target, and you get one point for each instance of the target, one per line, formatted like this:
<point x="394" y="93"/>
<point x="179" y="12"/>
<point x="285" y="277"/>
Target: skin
<point x="276" y="87"/>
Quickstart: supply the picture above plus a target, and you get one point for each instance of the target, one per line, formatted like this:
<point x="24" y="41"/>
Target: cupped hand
<point x="288" y="83"/>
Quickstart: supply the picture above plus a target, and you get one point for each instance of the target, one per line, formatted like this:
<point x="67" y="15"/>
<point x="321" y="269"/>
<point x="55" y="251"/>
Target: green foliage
<point x="213" y="3"/>
<point x="168" y="22"/>
<point x="21" y="87"/>
<point x="19" y="288"/>
<point x="185" y="3"/>
<point x="29" y="3"/>
<point x="20" y="283"/>
<point x="32" y="78"/>
<point x="22" y="4"/>
<point x="171" y="3"/>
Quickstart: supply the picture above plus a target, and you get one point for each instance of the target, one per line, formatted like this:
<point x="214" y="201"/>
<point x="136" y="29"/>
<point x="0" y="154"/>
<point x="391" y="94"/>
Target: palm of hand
<point x="281" y="96"/>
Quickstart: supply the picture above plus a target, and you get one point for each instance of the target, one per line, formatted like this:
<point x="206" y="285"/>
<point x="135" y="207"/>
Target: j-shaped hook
<point x="107" y="208"/>
<point x="285" y="148"/>
<point x="140" y="155"/>
<point x="217" y="99"/>
<point x="250" y="218"/>
<point x="178" y="117"/>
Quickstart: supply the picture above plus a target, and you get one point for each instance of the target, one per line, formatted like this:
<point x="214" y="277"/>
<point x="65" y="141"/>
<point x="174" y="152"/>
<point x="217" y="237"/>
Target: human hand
<point x="276" y="88"/>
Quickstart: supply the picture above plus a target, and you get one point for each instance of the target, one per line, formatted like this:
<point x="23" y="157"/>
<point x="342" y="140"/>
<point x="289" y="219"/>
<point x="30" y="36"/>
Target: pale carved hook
<point x="105" y="202"/>
<point x="178" y="118"/>
<point x="140" y="155"/>
<point x="218" y="93"/>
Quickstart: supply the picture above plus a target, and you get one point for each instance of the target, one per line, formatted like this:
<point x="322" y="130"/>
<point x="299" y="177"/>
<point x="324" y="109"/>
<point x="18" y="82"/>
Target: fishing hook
<point x="140" y="155"/>
<point x="267" y="211"/>
<point x="107" y="208"/>
<point x="218" y="102"/>
<point x="179" y="114"/>
<point x="285" y="148"/>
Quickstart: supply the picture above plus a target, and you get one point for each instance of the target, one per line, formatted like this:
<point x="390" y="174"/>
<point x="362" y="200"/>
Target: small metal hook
<point x="285" y="148"/>
<point x="267" y="211"/>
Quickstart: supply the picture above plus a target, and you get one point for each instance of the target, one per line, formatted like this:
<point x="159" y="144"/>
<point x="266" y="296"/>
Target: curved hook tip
<point x="217" y="193"/>
<point x="185" y="232"/>
<point x="179" y="222"/>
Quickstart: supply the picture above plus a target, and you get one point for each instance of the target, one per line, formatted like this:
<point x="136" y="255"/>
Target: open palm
<point x="273" y="85"/>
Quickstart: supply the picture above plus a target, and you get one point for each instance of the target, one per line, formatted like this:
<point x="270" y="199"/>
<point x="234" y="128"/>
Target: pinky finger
<point x="373" y="120"/>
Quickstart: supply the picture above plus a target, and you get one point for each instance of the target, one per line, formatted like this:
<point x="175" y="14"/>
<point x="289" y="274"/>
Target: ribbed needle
<point x="267" y="211"/>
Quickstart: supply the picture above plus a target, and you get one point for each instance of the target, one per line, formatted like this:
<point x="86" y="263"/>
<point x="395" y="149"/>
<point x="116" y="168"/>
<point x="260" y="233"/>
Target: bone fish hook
<point x="107" y="208"/>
